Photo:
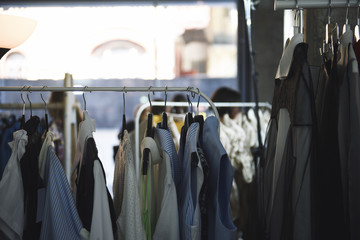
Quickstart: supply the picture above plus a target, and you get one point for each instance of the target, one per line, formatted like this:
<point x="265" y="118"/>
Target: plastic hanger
<point x="46" y="115"/>
<point x="356" y="29"/>
<point x="123" y="118"/>
<point x="164" y="121"/>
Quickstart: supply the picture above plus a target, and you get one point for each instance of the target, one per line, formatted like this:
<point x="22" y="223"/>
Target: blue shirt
<point x="221" y="174"/>
<point x="189" y="221"/>
<point x="60" y="219"/>
<point x="167" y="144"/>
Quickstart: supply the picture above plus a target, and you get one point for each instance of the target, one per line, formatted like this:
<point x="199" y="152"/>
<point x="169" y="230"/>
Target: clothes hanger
<point x="27" y="95"/>
<point x="346" y="26"/>
<point x="46" y="115"/>
<point x="22" y="121"/>
<point x="198" y="117"/>
<point x="164" y="121"/>
<point x="286" y="58"/>
<point x="189" y="117"/>
<point x="356" y="29"/>
<point x="149" y="133"/>
<point x="149" y="130"/>
<point x="123" y="118"/>
<point x="328" y="41"/>
<point x="31" y="125"/>
<point x="85" y="112"/>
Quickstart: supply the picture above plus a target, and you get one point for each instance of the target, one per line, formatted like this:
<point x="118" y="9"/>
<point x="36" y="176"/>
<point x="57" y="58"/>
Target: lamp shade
<point x="14" y="30"/>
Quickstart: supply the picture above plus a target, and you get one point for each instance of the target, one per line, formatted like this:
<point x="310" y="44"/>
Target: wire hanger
<point x="124" y="117"/>
<point x="46" y="115"/>
<point x="149" y="132"/>
<point x="84" y="97"/>
<point x="199" y="118"/>
<point x="22" y="121"/>
<point x="27" y="95"/>
<point x="164" y="120"/>
<point x="356" y="29"/>
<point x="189" y="117"/>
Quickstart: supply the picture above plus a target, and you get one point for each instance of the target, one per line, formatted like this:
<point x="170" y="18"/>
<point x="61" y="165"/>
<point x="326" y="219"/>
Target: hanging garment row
<point x="238" y="135"/>
<point x="181" y="195"/>
<point x="311" y="171"/>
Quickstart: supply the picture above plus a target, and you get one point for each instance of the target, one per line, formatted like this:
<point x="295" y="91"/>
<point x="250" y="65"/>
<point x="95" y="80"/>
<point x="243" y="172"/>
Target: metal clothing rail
<point x="294" y="4"/>
<point x="33" y="106"/>
<point x="113" y="89"/>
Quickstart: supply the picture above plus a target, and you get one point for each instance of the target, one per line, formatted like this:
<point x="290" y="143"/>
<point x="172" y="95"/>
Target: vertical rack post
<point x="68" y="100"/>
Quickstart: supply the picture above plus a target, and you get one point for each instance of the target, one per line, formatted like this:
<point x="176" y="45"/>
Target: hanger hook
<point x="165" y="97"/>
<point x="347" y="12"/>
<point x="27" y="95"/>
<point x="22" y="98"/>
<point x="329" y="12"/>
<point x="198" y="102"/>
<point x="84" y="97"/>
<point x="150" y="99"/>
<point x="188" y="99"/>
<point x="357" y="13"/>
<point x="43" y="99"/>
<point x="124" y="91"/>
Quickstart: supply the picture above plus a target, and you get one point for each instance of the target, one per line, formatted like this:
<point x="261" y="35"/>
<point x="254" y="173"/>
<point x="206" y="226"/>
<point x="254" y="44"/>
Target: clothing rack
<point x="103" y="89"/>
<point x="298" y="4"/>
<point x="183" y="104"/>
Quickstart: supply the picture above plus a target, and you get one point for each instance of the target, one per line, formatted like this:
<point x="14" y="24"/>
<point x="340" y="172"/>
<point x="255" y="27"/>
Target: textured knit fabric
<point x="12" y="192"/>
<point x="189" y="209"/>
<point x="219" y="185"/>
<point x="129" y="221"/>
<point x="121" y="159"/>
<point x="61" y="219"/>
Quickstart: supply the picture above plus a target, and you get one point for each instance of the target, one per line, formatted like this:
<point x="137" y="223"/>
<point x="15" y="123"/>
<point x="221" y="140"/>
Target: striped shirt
<point x="61" y="219"/>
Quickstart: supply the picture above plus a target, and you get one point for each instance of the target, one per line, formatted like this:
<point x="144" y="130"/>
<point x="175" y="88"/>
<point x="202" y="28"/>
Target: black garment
<point x="328" y="203"/>
<point x="349" y="138"/>
<point x="203" y="195"/>
<point x="85" y="187"/>
<point x="290" y="152"/>
<point x="31" y="180"/>
<point x="247" y="205"/>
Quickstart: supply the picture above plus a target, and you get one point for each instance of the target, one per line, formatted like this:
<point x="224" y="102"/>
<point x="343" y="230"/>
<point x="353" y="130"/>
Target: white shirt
<point x="126" y="195"/>
<point x="12" y="191"/>
<point x="101" y="225"/>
